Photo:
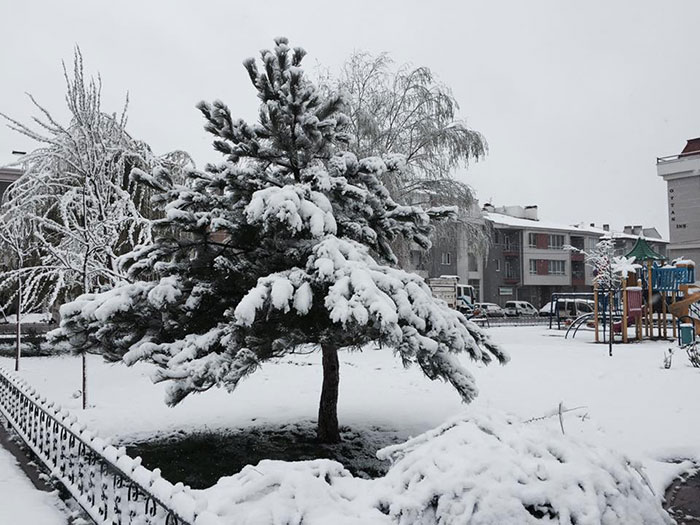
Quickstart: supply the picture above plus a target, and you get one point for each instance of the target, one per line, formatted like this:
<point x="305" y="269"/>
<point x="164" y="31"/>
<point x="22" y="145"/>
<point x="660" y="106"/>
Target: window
<point x="446" y="258"/>
<point x="556" y="242"/>
<point x="532" y="240"/>
<point x="533" y="266"/>
<point x="556" y="267"/>
<point x="472" y="265"/>
<point x="583" y="308"/>
<point x="416" y="258"/>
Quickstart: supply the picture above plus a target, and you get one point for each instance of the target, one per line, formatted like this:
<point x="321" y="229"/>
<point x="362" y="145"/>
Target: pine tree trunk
<point x="328" y="409"/>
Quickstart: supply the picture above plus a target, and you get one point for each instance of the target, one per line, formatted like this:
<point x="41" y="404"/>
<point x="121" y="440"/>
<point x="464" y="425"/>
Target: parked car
<point x="568" y="308"/>
<point x="490" y="309"/>
<point x="518" y="308"/>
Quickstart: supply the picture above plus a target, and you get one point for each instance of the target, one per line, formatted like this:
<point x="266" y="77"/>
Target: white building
<point x="682" y="175"/>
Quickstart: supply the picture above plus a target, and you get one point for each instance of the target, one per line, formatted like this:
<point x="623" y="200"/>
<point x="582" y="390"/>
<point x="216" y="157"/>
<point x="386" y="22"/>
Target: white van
<point x="518" y="308"/>
<point x="568" y="308"/>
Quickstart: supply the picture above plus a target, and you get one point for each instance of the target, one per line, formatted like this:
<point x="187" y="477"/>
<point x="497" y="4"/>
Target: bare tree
<point x="84" y="208"/>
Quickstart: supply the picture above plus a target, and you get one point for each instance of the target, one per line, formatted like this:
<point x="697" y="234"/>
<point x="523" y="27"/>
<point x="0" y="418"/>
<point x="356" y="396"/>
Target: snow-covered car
<point x="490" y="309"/>
<point x="568" y="308"/>
<point x="519" y="308"/>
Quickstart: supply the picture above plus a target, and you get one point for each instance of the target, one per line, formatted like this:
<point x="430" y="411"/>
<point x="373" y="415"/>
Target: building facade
<point x="682" y="175"/>
<point x="528" y="260"/>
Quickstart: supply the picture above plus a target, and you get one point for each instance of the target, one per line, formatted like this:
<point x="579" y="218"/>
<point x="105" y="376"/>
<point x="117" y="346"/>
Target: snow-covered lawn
<point x="641" y="409"/>
<point x="21" y="502"/>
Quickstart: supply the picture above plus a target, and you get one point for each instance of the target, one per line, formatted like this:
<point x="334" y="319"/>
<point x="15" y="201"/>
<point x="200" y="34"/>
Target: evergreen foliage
<point x="284" y="244"/>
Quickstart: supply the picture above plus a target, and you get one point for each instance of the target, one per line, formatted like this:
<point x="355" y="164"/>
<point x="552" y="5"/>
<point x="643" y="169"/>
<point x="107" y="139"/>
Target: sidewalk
<point x="20" y="501"/>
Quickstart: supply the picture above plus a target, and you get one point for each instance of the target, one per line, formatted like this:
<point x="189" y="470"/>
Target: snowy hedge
<point x="481" y="469"/>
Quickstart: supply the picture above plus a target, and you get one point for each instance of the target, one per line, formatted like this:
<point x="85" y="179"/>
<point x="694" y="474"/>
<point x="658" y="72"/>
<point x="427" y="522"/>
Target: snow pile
<point x="488" y="468"/>
<point x="291" y="493"/>
<point x="482" y="468"/>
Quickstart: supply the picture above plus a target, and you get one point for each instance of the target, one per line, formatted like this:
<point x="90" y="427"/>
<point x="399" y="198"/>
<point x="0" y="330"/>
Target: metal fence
<point x="110" y="486"/>
<point x="511" y="321"/>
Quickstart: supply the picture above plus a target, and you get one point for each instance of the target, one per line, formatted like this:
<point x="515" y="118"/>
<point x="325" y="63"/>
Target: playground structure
<point x="645" y="299"/>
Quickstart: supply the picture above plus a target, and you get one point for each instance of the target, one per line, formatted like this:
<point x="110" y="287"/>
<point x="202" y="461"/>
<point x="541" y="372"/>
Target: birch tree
<point x="77" y="193"/>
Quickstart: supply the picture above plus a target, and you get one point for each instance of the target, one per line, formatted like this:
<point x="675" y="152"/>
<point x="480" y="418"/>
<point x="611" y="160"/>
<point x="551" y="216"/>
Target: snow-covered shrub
<point x="482" y="468"/>
<point x="488" y="468"/>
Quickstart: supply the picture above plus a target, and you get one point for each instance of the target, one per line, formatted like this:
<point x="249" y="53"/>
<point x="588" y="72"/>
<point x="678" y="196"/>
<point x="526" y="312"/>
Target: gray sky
<point x="576" y="99"/>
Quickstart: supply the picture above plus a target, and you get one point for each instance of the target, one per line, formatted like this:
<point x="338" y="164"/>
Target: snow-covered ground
<point x="641" y="409"/>
<point x="21" y="502"/>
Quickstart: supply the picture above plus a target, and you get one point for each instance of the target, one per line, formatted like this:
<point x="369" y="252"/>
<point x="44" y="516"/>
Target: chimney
<point x="637" y="229"/>
<point x="627" y="229"/>
<point x="606" y="227"/>
<point x="514" y="211"/>
<point x="488" y="207"/>
<point x="531" y="213"/>
<point x="593" y="225"/>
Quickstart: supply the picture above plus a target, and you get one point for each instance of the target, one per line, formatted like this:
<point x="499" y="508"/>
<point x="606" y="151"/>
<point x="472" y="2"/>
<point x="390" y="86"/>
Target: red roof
<point x="692" y="147"/>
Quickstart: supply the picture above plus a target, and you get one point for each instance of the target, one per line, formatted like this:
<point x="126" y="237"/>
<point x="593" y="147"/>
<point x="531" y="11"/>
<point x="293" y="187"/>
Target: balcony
<point x="511" y="278"/>
<point x="510" y="250"/>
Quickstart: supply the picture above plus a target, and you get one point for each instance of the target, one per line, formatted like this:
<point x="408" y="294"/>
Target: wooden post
<point x="638" y="328"/>
<point x="665" y="321"/>
<point x="595" y="311"/>
<point x="673" y="317"/>
<point x="624" y="310"/>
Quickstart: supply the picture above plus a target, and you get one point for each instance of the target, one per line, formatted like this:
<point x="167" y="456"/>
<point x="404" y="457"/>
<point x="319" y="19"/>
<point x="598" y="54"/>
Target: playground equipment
<point x="682" y="309"/>
<point x="644" y="299"/>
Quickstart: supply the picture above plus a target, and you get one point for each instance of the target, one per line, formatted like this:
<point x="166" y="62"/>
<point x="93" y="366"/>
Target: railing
<point x="670" y="158"/>
<point x="112" y="488"/>
<point x="526" y="320"/>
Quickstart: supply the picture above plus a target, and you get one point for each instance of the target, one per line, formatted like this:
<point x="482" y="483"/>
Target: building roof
<point x="500" y="219"/>
<point x="643" y="252"/>
<point x="692" y="147"/>
<point x="9" y="174"/>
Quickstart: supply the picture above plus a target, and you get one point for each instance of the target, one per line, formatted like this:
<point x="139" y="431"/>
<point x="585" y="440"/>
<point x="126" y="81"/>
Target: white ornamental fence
<point x="112" y="488"/>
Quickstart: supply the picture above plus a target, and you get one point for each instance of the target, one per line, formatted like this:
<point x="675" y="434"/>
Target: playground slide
<point x="681" y="308"/>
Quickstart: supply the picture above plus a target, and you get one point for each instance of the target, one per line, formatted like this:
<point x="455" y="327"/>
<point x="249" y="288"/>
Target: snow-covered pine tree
<point x="285" y="244"/>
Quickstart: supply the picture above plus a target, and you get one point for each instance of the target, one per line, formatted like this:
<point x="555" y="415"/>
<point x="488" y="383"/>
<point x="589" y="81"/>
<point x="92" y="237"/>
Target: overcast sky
<point x="576" y="98"/>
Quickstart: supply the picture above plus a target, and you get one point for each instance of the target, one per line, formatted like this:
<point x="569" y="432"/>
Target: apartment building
<point x="528" y="262"/>
<point x="682" y="175"/>
<point x="451" y="254"/>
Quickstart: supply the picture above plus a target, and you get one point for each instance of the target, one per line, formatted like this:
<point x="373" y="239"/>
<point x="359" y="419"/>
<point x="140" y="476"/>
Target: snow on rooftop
<point x="515" y="222"/>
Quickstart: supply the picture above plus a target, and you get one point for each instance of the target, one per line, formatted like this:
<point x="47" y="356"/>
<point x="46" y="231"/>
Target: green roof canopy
<point x="643" y="252"/>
